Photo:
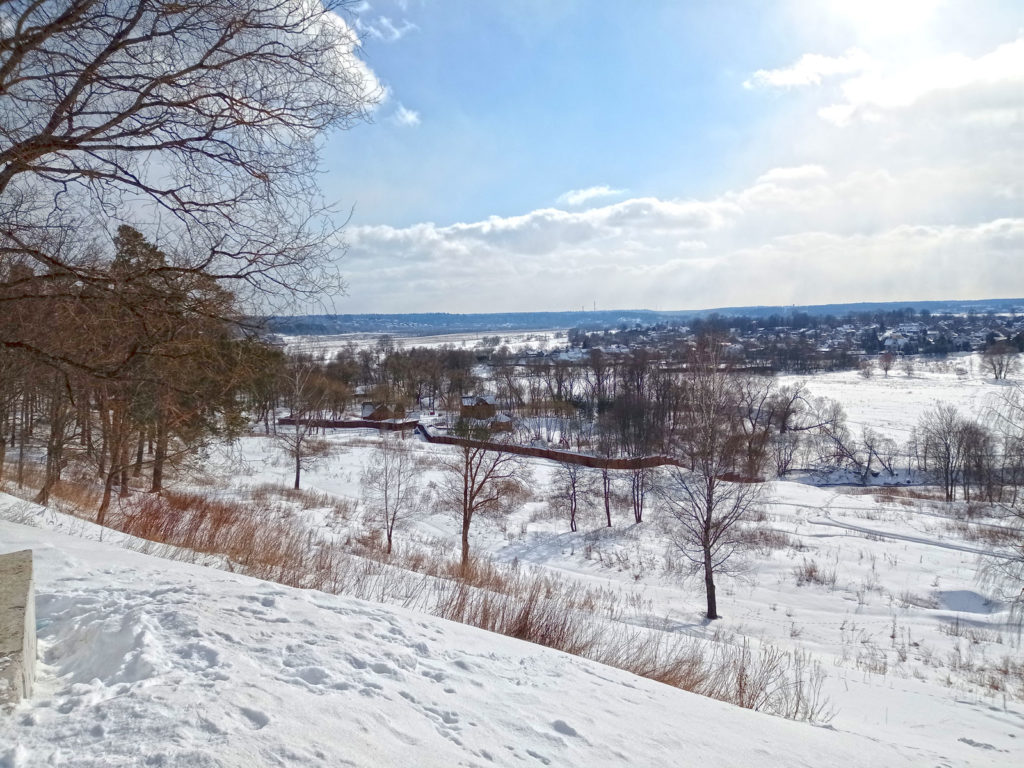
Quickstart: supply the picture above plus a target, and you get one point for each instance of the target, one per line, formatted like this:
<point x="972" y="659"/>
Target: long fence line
<point x="387" y="426"/>
<point x="550" y="454"/>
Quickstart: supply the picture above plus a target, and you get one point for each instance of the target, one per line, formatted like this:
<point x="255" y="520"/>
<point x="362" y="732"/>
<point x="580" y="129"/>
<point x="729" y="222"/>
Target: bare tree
<point x="605" y="447"/>
<point x="204" y="117"/>
<point x="704" y="504"/>
<point x="876" y="447"/>
<point x="706" y="510"/>
<point x="833" y="445"/>
<point x="1001" y="359"/>
<point x="573" y="488"/>
<point x="477" y="478"/>
<point x="1006" y="575"/>
<point x="796" y="416"/>
<point x="305" y="397"/>
<point x="1006" y="422"/>
<point x="758" y="401"/>
<point x="783" y="449"/>
<point x="941" y="446"/>
<point x="886" y="361"/>
<point x="390" y="484"/>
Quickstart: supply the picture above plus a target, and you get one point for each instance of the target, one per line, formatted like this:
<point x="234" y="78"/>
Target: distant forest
<point x="443" y="322"/>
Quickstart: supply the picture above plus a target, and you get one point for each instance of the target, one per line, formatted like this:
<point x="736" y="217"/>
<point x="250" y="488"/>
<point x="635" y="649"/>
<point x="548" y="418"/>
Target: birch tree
<point x="390" y="485"/>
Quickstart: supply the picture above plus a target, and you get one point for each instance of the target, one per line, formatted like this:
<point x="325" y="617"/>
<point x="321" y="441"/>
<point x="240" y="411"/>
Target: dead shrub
<point x="809" y="572"/>
<point x="765" y="540"/>
<point x="897" y="494"/>
<point x="991" y="535"/>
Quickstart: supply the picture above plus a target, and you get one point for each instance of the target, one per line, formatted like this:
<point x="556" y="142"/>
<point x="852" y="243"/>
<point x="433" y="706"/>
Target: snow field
<point x="882" y="592"/>
<point x="908" y="638"/>
<point x="152" y="662"/>
<point x="516" y="341"/>
<point x="894" y="404"/>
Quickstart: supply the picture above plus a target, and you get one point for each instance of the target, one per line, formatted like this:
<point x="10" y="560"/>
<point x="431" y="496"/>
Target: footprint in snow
<point x="201" y="654"/>
<point x="383" y="668"/>
<point x="313" y="675"/>
<point x="255" y="717"/>
<point x="564" y="728"/>
<point x="538" y="756"/>
<point x="977" y="744"/>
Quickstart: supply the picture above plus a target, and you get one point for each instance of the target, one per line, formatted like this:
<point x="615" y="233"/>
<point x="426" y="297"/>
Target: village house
<point x="381" y="412"/>
<point x="480" y="407"/>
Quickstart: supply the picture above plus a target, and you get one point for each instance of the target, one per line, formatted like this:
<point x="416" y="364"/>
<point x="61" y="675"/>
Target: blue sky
<point x="547" y="155"/>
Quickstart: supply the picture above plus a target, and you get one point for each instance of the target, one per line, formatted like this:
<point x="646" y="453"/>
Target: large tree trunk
<point x="709" y="584"/>
<point x="22" y="443"/>
<point x="125" y="467"/>
<point x="467" y="507"/>
<point x="639" y="479"/>
<point x="159" y="456"/>
<point x="140" y="452"/>
<point x="606" y="479"/>
<point x="54" y="457"/>
<point x="108" y="487"/>
<point x="465" y="548"/>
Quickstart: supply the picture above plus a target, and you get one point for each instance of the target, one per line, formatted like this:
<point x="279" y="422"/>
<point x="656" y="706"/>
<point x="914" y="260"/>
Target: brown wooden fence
<point x="391" y="426"/>
<point x="565" y="457"/>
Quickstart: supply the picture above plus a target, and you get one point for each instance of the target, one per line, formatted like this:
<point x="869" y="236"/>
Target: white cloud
<point x="871" y="86"/>
<point x="427" y="268"/>
<point x="348" y="60"/>
<point x="811" y="69"/>
<point x="992" y="81"/>
<point x="578" y="197"/>
<point x="405" y="116"/>
<point x="798" y="234"/>
<point x="793" y="175"/>
<point x="383" y="28"/>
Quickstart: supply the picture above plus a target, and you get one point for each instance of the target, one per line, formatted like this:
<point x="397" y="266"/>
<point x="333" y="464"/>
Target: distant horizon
<point x="896" y="304"/>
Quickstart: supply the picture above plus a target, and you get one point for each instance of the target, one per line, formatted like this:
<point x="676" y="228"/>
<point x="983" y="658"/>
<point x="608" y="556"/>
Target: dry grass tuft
<point x="764" y="539"/>
<point x="809" y="572"/>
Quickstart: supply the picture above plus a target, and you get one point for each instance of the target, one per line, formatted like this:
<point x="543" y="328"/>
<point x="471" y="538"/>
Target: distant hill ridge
<point x="443" y="322"/>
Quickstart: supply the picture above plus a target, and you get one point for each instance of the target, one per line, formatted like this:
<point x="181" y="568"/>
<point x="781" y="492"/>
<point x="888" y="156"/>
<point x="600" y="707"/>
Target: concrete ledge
<point x="17" y="628"/>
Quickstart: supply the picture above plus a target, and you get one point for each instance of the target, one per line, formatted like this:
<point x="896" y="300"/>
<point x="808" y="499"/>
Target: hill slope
<point x="152" y="662"/>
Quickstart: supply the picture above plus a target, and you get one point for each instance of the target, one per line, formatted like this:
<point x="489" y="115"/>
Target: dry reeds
<point x="253" y="537"/>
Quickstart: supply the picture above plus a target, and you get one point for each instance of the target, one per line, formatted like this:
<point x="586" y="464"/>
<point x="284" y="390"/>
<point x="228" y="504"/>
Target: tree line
<point x="157" y="178"/>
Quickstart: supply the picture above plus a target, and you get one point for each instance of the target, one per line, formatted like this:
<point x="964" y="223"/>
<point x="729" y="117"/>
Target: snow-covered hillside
<point x="913" y="645"/>
<point x="146" y="661"/>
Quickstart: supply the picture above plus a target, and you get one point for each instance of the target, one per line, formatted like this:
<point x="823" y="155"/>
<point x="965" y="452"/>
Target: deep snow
<point x="152" y="662"/>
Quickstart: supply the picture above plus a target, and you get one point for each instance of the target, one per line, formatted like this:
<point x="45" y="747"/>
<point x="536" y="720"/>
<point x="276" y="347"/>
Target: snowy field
<point x="153" y="662"/>
<point x="893" y="404"/>
<point x="909" y="637"/>
<point x="516" y="341"/>
<point x="149" y="661"/>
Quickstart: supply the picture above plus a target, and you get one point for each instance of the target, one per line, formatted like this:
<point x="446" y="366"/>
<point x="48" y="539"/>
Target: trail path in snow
<point x="825" y="519"/>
